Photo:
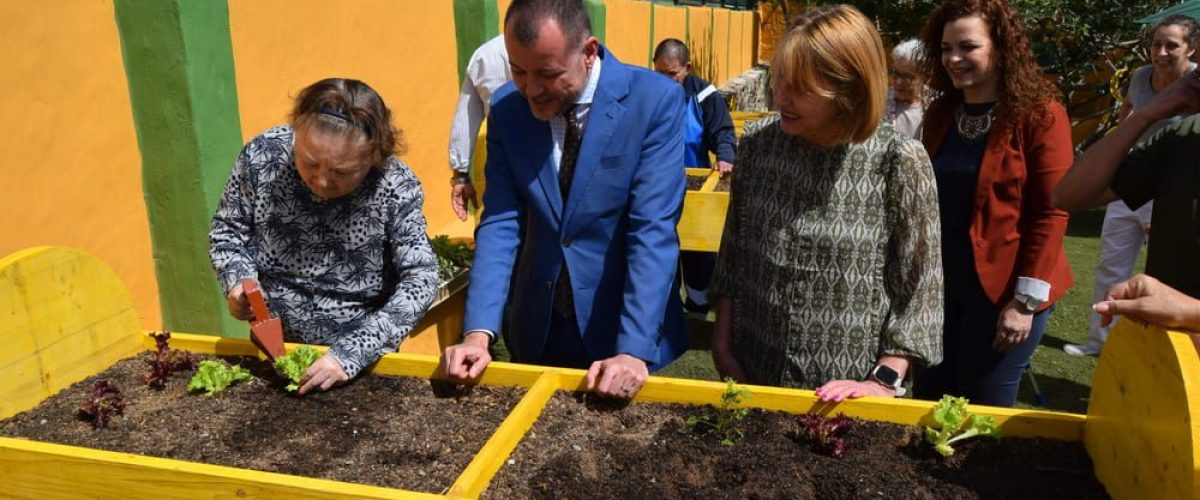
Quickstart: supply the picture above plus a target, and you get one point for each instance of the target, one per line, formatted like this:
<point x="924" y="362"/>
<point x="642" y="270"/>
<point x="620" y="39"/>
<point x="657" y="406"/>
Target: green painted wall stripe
<point x="597" y="12"/>
<point x="179" y="63"/>
<point x="650" y="38"/>
<point x="475" y="22"/>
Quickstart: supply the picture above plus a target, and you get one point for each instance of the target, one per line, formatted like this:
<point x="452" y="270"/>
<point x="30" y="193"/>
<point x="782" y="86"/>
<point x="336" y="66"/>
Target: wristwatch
<point x="460" y="178"/>
<point x="884" y="375"/>
<point x="1028" y="304"/>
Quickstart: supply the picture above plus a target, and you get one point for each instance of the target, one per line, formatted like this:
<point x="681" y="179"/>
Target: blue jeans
<point x="970" y="367"/>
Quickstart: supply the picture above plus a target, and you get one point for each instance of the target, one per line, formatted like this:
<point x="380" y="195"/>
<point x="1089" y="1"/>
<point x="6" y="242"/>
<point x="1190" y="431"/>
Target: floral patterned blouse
<point x="831" y="257"/>
<point x="356" y="272"/>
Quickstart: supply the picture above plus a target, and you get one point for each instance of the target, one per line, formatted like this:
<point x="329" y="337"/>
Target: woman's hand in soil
<point x="839" y="390"/>
<point x="239" y="306"/>
<point x="467" y="360"/>
<point x="620" y="376"/>
<point x="1012" y="328"/>
<point x="323" y="374"/>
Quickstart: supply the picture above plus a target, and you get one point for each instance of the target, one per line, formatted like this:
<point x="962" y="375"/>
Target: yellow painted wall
<point x="502" y="7"/>
<point x="74" y="173"/>
<point x="669" y="22"/>
<point x="699" y="42"/>
<point x="720" y="43"/>
<point x="627" y="26"/>
<point x="405" y="50"/>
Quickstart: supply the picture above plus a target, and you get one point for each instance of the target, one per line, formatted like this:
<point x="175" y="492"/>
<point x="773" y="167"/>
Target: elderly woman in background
<point x="829" y="273"/>
<point x="999" y="141"/>
<point x="328" y="221"/>
<point x="905" y="104"/>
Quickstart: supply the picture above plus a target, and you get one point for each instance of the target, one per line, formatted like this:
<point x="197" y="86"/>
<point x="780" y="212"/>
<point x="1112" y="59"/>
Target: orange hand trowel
<point x="266" y="332"/>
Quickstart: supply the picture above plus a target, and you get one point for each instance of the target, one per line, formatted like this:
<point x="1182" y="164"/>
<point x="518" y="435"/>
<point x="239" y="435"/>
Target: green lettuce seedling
<point x="294" y="364"/>
<point x="214" y="376"/>
<point x="951" y="414"/>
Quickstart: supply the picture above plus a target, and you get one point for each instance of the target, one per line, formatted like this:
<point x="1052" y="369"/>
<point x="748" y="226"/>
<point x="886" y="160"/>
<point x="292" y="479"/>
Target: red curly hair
<point x="1024" y="89"/>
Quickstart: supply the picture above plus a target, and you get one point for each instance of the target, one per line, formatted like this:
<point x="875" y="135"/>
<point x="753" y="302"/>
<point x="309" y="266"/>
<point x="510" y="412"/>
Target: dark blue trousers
<point x="970" y="367"/>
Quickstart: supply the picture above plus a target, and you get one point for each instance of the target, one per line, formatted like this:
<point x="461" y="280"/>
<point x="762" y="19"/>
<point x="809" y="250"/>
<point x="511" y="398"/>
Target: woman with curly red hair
<point x="999" y="141"/>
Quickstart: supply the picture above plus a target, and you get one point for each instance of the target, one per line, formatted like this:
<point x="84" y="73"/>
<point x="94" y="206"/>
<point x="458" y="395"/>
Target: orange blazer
<point x="1015" y="230"/>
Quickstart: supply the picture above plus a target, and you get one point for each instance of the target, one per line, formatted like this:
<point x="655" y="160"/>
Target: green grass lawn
<point x="1065" y="380"/>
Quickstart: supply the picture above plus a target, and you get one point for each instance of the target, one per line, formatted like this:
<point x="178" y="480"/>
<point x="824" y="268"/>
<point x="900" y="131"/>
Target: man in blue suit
<point x="585" y="185"/>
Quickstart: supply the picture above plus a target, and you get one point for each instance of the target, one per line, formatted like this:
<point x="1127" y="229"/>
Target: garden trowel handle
<point x="258" y="305"/>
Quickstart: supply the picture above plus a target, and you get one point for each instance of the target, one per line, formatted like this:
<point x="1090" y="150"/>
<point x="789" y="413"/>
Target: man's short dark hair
<point x="525" y="19"/>
<point x="674" y="50"/>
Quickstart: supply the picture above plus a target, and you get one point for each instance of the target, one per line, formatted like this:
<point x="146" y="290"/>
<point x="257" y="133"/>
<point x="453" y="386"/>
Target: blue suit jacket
<point x="616" y="234"/>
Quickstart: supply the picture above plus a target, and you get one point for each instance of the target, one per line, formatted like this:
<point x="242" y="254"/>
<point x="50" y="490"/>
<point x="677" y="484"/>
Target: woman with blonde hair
<point x="999" y="141"/>
<point x="829" y="272"/>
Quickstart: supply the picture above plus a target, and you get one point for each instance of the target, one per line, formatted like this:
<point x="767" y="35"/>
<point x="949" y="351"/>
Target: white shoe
<point x="1089" y="349"/>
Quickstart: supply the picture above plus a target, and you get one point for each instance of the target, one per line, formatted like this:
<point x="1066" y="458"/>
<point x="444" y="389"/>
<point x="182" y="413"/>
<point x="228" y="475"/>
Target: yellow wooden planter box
<point x="703" y="218"/>
<point x="65" y="316"/>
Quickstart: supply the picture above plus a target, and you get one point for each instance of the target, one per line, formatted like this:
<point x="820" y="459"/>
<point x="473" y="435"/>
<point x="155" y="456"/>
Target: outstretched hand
<point x="1147" y="300"/>
<point x="620" y="376"/>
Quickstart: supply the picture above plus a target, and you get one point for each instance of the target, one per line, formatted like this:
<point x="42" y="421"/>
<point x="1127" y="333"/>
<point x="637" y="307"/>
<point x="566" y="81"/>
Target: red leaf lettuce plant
<point x="166" y="360"/>
<point x="105" y="401"/>
<point x="826" y="433"/>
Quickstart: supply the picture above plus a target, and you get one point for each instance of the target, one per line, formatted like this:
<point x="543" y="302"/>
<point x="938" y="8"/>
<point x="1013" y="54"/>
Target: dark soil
<point x="397" y="432"/>
<point x="723" y="185"/>
<point x="695" y="182"/>
<point x="583" y="447"/>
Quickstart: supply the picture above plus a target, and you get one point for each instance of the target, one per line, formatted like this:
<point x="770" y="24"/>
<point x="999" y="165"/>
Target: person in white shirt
<point x="487" y="70"/>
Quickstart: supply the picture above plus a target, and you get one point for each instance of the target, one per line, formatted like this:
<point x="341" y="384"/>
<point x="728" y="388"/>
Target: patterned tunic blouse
<point x="831" y="257"/>
<point x="355" y="272"/>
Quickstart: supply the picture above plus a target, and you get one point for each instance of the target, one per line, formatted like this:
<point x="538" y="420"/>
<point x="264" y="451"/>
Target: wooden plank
<point x="478" y="474"/>
<point x="1142" y="414"/>
<point x="64" y="315"/>
<point x="1013" y="422"/>
<point x="42" y="470"/>
<point x="703" y="220"/>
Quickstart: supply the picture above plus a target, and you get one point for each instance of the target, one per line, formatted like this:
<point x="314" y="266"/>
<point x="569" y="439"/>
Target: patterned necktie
<point x="570" y="152"/>
<point x="564" y="300"/>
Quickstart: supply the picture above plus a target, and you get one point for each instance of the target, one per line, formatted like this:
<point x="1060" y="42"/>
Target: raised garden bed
<point x="610" y="450"/>
<point x="68" y="318"/>
<point x="383" y="431"/>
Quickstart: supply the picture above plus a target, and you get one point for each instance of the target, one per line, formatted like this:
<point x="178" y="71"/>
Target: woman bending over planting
<point x="1000" y="142"/>
<point x="829" y="274"/>
<point x="328" y="220"/>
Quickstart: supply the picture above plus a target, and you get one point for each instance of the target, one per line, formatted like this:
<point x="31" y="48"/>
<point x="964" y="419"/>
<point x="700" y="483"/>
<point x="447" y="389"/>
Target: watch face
<point x="885" y="375"/>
